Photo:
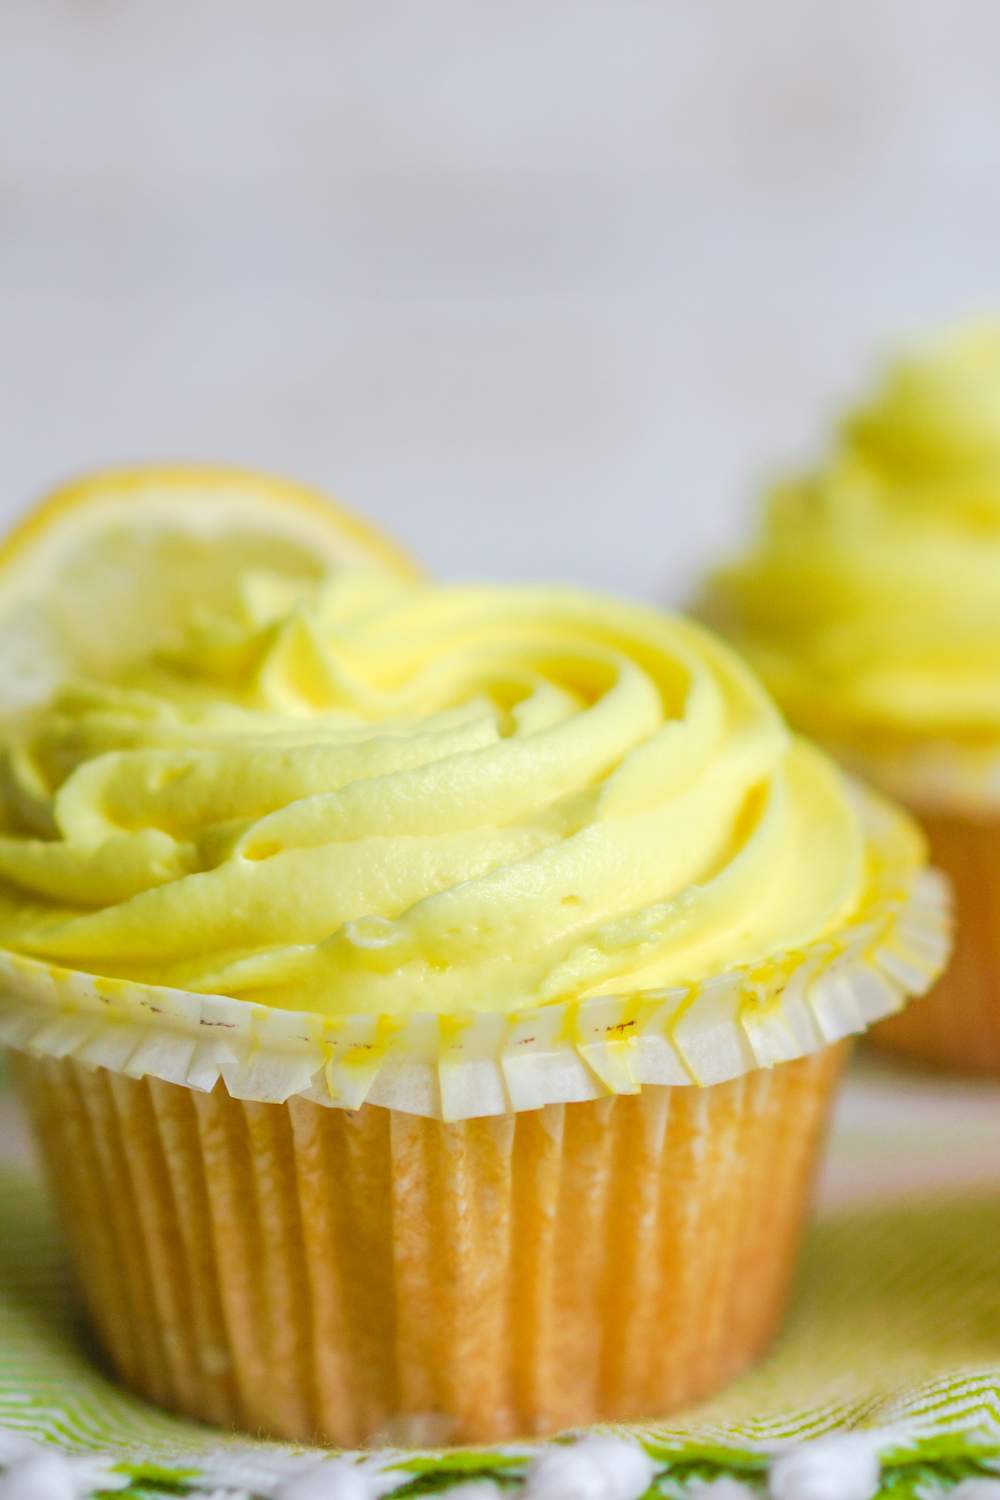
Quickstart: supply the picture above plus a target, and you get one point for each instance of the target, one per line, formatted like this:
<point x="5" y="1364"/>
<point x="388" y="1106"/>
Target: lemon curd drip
<point x="374" y="796"/>
<point x="871" y="602"/>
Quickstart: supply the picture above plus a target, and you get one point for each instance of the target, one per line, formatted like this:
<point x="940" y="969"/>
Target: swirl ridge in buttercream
<point x="391" y="797"/>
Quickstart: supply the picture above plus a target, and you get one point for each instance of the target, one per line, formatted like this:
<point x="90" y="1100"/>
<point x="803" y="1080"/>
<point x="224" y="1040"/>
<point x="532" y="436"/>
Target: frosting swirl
<point x="871" y="602"/>
<point x="390" y="797"/>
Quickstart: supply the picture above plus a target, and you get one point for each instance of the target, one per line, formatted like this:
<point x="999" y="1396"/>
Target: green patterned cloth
<point x="894" y="1333"/>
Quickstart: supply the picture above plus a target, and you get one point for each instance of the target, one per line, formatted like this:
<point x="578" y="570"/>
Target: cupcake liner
<point x="931" y="776"/>
<point x="481" y="1063"/>
<point x="957" y="1024"/>
<point x="376" y="1276"/>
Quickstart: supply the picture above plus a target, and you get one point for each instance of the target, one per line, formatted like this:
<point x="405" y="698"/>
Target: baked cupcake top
<point x="870" y="603"/>
<point x="384" y="797"/>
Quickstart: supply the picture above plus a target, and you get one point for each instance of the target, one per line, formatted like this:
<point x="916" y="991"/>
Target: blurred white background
<point x="545" y="287"/>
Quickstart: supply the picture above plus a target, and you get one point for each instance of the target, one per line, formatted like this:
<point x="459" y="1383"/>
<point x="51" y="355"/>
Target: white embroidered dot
<point x="980" y="1488"/>
<point x="15" y="1445"/>
<point x="595" y="1468"/>
<point x="330" y="1479"/>
<point x="723" y="1488"/>
<point x="33" y="1470"/>
<point x="39" y="1476"/>
<point x="841" y="1466"/>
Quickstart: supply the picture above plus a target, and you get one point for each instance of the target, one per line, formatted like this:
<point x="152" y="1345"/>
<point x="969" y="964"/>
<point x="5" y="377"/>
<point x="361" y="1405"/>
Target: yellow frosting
<point x="394" y="797"/>
<point x="871" y="602"/>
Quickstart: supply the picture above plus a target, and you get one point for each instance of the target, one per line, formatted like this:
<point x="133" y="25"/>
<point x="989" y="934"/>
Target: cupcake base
<point x="367" y="1276"/>
<point x="957" y="1025"/>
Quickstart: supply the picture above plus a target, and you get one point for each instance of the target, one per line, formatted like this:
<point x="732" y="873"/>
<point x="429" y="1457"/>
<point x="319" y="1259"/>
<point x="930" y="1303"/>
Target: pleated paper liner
<point x="346" y="1277"/>
<point x="957" y="1025"/>
<point x="930" y="776"/>
<point x="482" y="1063"/>
<point x="954" y="790"/>
<point x="451" y="1228"/>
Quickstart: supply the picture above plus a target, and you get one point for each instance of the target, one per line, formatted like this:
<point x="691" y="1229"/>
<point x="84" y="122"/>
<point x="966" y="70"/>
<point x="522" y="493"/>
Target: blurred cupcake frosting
<point x="390" y="796"/>
<point x="870" y="603"/>
<point x="935" y="423"/>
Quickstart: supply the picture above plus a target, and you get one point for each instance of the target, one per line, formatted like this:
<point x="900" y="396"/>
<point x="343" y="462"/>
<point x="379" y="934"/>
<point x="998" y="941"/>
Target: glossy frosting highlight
<point x="871" y="601"/>
<point x="390" y="797"/>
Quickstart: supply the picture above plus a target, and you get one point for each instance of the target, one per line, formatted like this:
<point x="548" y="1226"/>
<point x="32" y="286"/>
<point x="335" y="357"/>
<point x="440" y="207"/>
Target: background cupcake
<point x="430" y="998"/>
<point x="871" y="606"/>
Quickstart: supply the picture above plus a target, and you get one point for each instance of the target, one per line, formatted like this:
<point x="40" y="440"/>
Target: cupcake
<point x="430" y="999"/>
<point x="870" y="605"/>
